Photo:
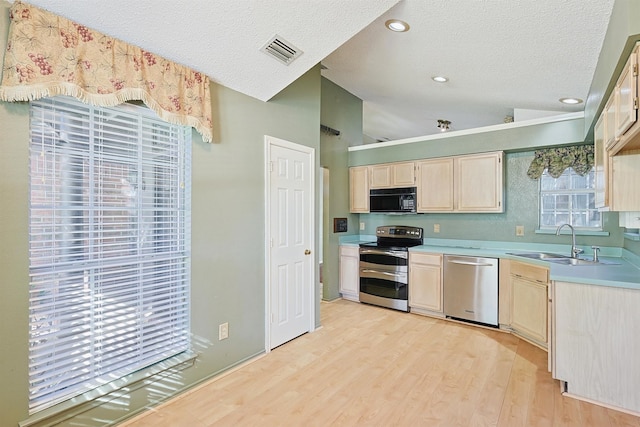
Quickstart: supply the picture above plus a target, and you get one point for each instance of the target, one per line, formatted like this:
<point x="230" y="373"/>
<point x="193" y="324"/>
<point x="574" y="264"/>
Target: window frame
<point x="570" y="211"/>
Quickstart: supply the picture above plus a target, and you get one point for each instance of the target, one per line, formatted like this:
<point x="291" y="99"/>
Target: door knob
<point x="307" y="252"/>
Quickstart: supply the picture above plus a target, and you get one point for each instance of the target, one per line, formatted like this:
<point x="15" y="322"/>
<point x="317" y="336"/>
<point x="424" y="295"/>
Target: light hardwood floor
<point x="369" y="366"/>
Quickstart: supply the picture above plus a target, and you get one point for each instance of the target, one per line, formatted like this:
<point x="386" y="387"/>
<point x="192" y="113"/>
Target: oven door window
<point x="382" y="257"/>
<point x="372" y="284"/>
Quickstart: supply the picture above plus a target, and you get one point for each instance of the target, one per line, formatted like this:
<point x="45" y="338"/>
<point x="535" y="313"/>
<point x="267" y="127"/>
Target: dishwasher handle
<point x="477" y="264"/>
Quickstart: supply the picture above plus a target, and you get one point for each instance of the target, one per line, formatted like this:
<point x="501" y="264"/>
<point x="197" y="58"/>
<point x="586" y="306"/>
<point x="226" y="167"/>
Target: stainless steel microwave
<point x="392" y="200"/>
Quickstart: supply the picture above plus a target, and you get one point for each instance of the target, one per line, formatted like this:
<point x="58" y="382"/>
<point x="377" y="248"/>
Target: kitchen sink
<point x="545" y="256"/>
<point x="580" y="261"/>
<point x="562" y="259"/>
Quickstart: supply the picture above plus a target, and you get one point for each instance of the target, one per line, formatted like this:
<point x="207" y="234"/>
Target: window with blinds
<point x="109" y="245"/>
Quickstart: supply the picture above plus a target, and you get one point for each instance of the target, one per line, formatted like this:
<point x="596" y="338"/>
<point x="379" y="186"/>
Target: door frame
<point x="270" y="141"/>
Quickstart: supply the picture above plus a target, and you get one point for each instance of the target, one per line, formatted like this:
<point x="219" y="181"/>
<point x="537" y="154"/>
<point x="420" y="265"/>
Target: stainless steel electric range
<point x="384" y="266"/>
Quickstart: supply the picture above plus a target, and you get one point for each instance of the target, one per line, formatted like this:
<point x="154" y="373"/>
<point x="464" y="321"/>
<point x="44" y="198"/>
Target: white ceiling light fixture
<point x="571" y="101"/>
<point x="440" y="79"/>
<point x="397" y="25"/>
<point x="443" y="125"/>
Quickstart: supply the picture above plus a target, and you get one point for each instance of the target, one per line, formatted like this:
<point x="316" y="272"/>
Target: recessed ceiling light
<point x="571" y="101"/>
<point x="397" y="25"/>
<point x="440" y="79"/>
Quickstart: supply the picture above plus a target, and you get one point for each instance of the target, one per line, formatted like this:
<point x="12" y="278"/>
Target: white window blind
<point x="109" y="245"/>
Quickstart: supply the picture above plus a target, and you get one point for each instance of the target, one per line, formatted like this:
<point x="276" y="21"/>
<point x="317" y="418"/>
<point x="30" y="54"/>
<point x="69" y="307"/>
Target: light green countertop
<point x="626" y="274"/>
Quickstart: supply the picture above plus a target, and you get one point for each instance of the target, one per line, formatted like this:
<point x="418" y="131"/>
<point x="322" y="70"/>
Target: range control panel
<point x="402" y="231"/>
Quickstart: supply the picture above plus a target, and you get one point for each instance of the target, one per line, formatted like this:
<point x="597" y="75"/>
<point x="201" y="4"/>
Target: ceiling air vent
<point x="282" y="50"/>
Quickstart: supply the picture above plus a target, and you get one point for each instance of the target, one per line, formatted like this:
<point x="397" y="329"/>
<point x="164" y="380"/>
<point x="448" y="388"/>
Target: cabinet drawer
<point x="531" y="272"/>
<point x="348" y="250"/>
<point x="431" y="259"/>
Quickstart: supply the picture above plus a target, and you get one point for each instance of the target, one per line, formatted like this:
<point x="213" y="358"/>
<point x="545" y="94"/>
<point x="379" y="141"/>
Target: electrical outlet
<point x="519" y="230"/>
<point x="436" y="228"/>
<point x="362" y="226"/>
<point x="223" y="331"/>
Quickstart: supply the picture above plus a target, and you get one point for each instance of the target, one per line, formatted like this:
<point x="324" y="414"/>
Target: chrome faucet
<point x="574" y="250"/>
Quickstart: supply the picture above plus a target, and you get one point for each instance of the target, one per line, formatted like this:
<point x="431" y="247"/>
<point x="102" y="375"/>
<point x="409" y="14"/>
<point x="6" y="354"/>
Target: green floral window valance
<point x="49" y="55"/>
<point x="556" y="160"/>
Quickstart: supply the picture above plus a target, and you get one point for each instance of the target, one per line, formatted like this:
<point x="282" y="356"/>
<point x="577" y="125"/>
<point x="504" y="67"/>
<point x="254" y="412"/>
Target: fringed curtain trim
<point x="49" y="55"/>
<point x="556" y="160"/>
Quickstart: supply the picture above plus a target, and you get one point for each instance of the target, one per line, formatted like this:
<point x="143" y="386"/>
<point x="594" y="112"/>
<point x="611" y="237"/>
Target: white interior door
<point x="290" y="257"/>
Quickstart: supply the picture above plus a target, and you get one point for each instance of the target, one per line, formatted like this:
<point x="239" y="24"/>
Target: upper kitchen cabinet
<point x="359" y="189"/>
<point x="627" y="96"/>
<point x="435" y="185"/>
<point x="601" y="157"/>
<point x="624" y="176"/>
<point x="472" y="183"/>
<point x="479" y="182"/>
<point x="621" y="112"/>
<point x="390" y="175"/>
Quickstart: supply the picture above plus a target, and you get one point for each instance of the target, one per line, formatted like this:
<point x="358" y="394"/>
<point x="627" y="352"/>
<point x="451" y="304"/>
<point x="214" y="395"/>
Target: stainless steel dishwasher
<point x="471" y="289"/>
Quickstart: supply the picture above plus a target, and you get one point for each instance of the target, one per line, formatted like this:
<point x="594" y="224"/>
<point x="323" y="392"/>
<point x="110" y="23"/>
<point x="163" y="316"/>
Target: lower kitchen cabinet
<point x="529" y="302"/>
<point x="349" y="272"/>
<point x="596" y="343"/>
<point x="425" y="282"/>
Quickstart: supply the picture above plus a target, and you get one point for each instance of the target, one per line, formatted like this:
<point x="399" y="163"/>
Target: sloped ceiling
<point x="223" y="38"/>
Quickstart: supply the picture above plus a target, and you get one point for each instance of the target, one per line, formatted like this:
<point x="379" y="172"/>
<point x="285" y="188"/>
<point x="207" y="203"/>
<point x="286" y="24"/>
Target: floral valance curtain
<point x="49" y="55"/>
<point x="556" y="160"/>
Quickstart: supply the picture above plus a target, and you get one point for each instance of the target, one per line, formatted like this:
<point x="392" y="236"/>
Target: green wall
<point x="521" y="208"/>
<point x="632" y="245"/>
<point x="227" y="244"/>
<point x="342" y="111"/>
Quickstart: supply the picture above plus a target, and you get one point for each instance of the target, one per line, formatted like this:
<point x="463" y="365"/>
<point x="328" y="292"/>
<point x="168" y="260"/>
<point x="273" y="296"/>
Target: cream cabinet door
<point x="435" y="185"/>
<point x="601" y="156"/>
<point x="625" y="176"/>
<point x="626" y="97"/>
<point x="380" y="176"/>
<point x="596" y="343"/>
<point x="479" y="183"/>
<point x="425" y="281"/>
<point x="390" y="175"/>
<point x="403" y="174"/>
<point x="529" y="309"/>
<point x="359" y="189"/>
<point x="349" y="272"/>
<point x="609" y="113"/>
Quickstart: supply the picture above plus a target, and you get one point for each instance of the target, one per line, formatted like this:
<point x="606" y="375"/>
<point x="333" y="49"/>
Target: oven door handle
<point x="386" y="273"/>
<point x="397" y="254"/>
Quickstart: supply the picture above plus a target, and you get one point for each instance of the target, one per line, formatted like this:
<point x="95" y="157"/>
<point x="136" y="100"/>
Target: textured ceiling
<point x="223" y="38"/>
<point x="500" y="55"/>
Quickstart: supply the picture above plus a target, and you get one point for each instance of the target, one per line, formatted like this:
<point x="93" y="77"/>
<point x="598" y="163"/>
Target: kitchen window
<point x="109" y="245"/>
<point x="570" y="198"/>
